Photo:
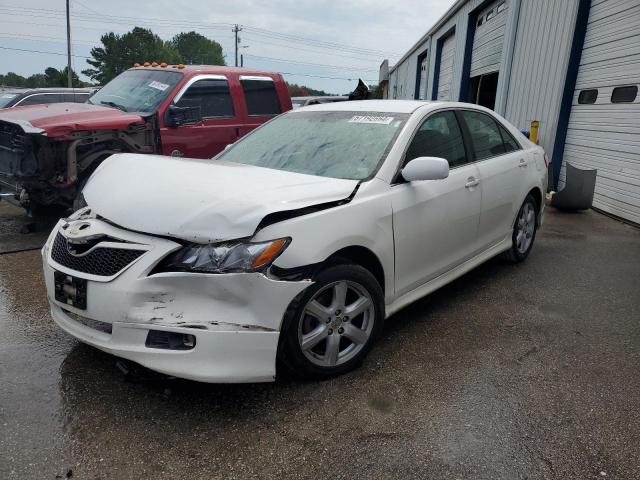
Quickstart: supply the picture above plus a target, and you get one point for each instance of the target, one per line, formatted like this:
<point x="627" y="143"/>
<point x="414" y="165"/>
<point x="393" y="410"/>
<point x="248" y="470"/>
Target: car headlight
<point x="227" y="257"/>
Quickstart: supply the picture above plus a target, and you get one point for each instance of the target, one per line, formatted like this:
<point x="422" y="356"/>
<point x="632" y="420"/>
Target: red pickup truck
<point x="47" y="152"/>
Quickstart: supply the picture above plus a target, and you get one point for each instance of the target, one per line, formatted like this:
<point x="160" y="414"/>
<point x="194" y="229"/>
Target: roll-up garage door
<point x="604" y="126"/>
<point x="447" y="60"/>
<point x="488" y="39"/>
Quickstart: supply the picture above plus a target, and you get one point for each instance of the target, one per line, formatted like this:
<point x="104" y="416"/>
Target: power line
<point x="294" y="62"/>
<point x="40" y="51"/>
<point x="282" y="73"/>
<point x="322" y="76"/>
<point x="143" y="23"/>
<point x="255" y="30"/>
<point x="280" y="60"/>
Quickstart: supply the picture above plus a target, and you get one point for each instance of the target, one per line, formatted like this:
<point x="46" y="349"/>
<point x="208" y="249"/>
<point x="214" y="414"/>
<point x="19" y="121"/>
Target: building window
<point x="490" y="14"/>
<point x="624" y="94"/>
<point x="501" y="7"/>
<point x="261" y="97"/>
<point x="588" y="96"/>
<point x="481" y="20"/>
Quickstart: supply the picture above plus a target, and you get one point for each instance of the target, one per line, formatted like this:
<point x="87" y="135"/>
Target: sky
<point x="325" y="45"/>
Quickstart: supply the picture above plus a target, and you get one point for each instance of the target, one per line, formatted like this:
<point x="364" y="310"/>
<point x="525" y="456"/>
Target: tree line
<point x="52" y="77"/>
<point x="120" y="52"/>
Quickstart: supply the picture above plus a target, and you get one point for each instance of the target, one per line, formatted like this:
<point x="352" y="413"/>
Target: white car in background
<point x="294" y="243"/>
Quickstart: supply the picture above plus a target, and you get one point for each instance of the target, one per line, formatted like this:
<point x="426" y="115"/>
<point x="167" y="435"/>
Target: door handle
<point x="471" y="182"/>
<point x="523" y="163"/>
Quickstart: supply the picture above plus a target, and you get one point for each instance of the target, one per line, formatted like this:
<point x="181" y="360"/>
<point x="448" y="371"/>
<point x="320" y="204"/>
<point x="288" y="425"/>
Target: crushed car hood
<point x="201" y="200"/>
<point x="60" y="119"/>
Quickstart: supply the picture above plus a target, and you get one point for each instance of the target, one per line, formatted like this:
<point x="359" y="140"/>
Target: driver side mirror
<point x="177" y="116"/>
<point x="425" y="168"/>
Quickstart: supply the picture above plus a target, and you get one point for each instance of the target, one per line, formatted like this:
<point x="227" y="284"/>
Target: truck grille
<point x="12" y="137"/>
<point x="104" y="262"/>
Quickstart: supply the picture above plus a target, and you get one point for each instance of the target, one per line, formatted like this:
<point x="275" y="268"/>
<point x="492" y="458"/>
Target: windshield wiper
<point x="114" y="105"/>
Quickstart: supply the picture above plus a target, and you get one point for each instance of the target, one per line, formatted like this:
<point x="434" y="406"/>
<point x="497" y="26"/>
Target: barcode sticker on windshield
<point x="159" y="86"/>
<point x="371" y="119"/>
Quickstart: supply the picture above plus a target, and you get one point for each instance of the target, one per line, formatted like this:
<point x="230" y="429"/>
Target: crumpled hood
<point x="200" y="200"/>
<point x="60" y="119"/>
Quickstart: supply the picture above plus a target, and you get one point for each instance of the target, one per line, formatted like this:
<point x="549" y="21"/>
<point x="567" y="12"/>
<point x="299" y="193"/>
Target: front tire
<point x="330" y="327"/>
<point x="524" y="231"/>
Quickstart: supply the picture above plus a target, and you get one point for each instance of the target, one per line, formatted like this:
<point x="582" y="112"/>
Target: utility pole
<point x="235" y="30"/>
<point x="69" y="75"/>
<point x="241" y="60"/>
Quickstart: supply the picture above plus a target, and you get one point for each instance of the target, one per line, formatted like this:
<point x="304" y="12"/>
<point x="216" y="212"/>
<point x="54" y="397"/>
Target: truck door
<point x="220" y="124"/>
<point x="261" y="99"/>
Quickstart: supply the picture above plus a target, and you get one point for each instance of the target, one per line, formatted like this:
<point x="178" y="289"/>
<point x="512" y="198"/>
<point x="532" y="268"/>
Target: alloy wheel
<point x="336" y="323"/>
<point x="526" y="227"/>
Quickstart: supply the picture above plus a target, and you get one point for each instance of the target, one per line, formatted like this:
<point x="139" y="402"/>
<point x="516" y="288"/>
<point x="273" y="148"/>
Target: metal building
<point x="572" y="65"/>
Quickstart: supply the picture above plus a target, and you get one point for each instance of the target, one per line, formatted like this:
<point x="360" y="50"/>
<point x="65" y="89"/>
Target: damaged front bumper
<point x="235" y="319"/>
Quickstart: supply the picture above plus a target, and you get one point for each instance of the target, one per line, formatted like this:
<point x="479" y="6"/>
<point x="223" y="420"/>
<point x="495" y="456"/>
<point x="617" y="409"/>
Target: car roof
<point x="391" y="106"/>
<point x="48" y="90"/>
<point x="386" y="106"/>
<point x="317" y="97"/>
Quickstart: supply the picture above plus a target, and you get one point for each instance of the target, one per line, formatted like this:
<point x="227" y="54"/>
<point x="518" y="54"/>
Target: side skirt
<point x="447" y="277"/>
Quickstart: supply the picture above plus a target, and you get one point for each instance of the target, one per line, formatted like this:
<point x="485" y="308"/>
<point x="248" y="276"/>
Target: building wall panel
<point x="539" y="67"/>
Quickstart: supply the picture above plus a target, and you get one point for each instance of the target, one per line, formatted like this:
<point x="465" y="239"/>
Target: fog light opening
<point x="170" y="340"/>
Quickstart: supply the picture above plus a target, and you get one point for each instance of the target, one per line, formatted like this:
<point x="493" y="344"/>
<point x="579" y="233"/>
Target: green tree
<point x="37" y="80"/>
<point x="52" y="77"/>
<point x="12" y="79"/>
<point x="120" y="52"/>
<point x="58" y="78"/>
<point x="194" y="48"/>
<point x="296" y="90"/>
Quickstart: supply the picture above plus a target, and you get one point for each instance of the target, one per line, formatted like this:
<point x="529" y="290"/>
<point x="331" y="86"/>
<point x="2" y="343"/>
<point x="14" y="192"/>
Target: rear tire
<point x="524" y="231"/>
<point x="330" y="327"/>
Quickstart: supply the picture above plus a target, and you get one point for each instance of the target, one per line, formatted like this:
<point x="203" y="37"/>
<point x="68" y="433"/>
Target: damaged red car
<point x="47" y="152"/>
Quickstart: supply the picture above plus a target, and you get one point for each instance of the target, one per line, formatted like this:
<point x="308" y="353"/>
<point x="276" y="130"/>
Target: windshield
<point x="348" y="145"/>
<point x="6" y="98"/>
<point x="137" y="90"/>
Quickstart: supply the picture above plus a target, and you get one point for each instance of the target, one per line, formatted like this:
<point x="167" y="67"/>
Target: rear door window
<point x="510" y="143"/>
<point x="211" y="95"/>
<point x="485" y="135"/>
<point x="81" y="97"/>
<point x="438" y="136"/>
<point x="260" y="95"/>
<point x="41" y="98"/>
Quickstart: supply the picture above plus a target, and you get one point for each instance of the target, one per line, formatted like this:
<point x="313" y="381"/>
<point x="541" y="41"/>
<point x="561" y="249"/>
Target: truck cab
<point x="47" y="152"/>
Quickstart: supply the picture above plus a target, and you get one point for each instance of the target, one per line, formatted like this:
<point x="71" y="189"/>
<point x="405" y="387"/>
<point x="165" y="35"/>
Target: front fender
<point x="365" y="221"/>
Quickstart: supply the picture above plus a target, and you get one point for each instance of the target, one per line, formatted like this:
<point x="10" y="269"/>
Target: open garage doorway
<point x="483" y="90"/>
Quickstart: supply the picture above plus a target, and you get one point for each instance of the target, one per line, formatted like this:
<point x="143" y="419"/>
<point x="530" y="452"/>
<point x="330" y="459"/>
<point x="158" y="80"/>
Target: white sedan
<point x="296" y="242"/>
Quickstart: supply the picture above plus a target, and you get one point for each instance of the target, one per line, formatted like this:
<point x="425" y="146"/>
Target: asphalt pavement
<point x="529" y="371"/>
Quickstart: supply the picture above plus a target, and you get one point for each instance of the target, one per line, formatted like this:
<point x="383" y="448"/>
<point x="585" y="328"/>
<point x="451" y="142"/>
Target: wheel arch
<point x="536" y="193"/>
<point x="360" y="256"/>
